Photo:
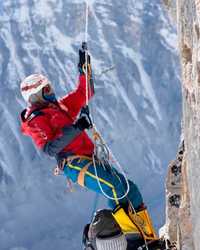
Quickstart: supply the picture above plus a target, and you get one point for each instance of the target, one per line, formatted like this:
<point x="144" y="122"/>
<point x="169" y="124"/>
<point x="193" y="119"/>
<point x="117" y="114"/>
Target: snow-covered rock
<point x="186" y="221"/>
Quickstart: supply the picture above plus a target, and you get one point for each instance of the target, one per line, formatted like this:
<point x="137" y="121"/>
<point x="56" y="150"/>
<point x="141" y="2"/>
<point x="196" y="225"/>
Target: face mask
<point x="50" y="98"/>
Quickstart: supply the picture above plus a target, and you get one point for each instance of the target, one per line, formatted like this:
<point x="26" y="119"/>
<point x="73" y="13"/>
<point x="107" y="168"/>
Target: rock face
<point x="179" y="224"/>
<point x="188" y="26"/>
<point x="188" y="23"/>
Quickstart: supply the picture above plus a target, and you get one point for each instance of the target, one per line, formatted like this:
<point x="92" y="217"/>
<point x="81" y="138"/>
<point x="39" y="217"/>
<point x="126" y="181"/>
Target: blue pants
<point x="112" y="182"/>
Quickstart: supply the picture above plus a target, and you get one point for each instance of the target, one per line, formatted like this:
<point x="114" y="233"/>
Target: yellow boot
<point x="135" y="223"/>
<point x="144" y="224"/>
<point x="125" y="222"/>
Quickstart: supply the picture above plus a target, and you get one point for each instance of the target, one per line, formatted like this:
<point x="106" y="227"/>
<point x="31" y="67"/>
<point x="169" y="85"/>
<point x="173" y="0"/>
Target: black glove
<point x="82" y="57"/>
<point x="83" y="123"/>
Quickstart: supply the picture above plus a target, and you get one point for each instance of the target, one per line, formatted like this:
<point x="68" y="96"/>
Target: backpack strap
<point x="30" y="116"/>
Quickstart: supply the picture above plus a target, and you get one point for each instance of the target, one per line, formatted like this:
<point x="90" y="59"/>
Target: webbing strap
<point x="81" y="176"/>
<point x="77" y="157"/>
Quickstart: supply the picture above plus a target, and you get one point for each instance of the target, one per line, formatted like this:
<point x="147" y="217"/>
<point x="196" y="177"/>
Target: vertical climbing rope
<point x="94" y="128"/>
<point x="86" y="52"/>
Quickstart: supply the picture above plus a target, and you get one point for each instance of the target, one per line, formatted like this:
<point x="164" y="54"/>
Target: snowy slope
<point x="137" y="109"/>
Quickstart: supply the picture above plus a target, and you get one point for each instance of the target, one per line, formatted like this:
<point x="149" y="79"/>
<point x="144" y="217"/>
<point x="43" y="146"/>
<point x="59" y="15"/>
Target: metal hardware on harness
<point x="101" y="152"/>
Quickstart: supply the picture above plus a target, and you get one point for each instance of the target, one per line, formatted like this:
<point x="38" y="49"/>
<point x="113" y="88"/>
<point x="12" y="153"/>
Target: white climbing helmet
<point x="33" y="85"/>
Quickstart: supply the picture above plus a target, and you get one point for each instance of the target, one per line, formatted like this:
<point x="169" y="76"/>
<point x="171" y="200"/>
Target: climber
<point x="58" y="130"/>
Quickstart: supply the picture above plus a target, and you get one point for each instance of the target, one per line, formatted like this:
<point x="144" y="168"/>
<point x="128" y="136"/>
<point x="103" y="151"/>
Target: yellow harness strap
<point x="125" y="222"/>
<point x="81" y="176"/>
<point x="78" y="157"/>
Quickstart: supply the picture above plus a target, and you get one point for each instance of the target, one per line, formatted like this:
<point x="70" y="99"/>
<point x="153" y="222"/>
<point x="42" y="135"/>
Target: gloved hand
<point x="82" y="57"/>
<point x="83" y="123"/>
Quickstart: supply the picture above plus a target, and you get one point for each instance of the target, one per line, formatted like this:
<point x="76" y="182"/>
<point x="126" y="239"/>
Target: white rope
<point x="86" y="20"/>
<point x="121" y="170"/>
<point x="103" y="192"/>
<point x="86" y="52"/>
<point x="87" y="100"/>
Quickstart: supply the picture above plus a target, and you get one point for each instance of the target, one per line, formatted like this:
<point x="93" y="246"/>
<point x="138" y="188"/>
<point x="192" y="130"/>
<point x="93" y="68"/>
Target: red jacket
<point x="48" y="126"/>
